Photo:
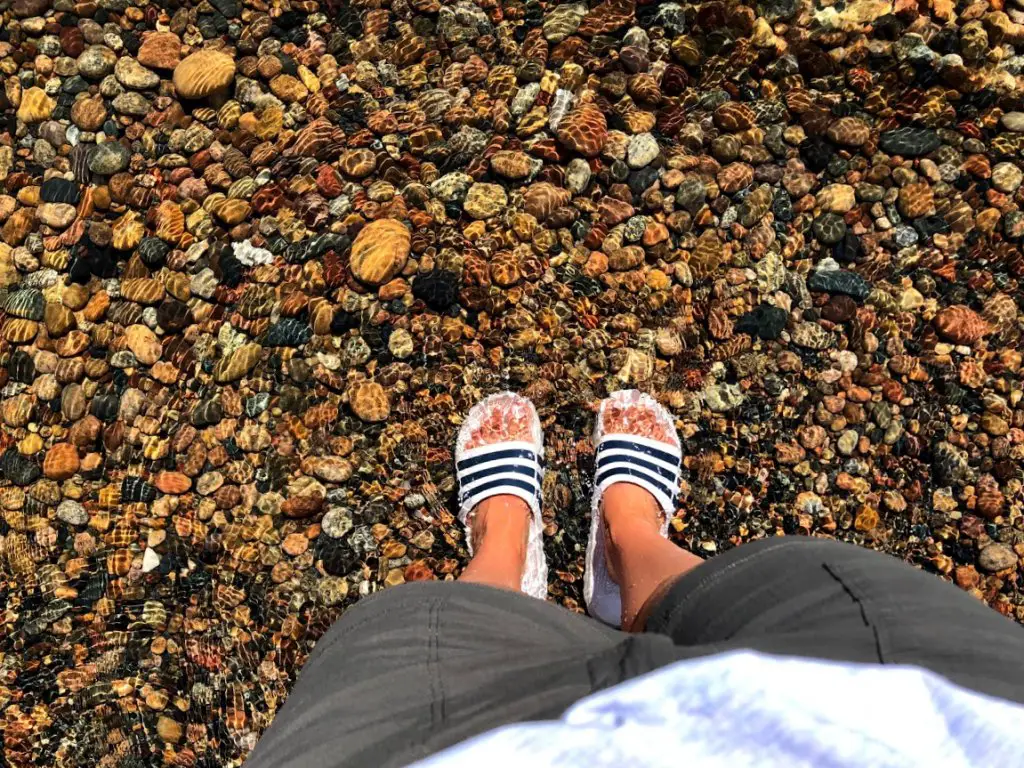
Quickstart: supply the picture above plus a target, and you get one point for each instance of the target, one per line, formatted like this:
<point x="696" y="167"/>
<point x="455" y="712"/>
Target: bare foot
<point x="625" y="510"/>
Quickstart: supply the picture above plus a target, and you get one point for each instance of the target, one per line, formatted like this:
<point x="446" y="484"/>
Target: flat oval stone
<point x="380" y="251"/>
<point x="56" y="215"/>
<point x="202" y="73"/>
<point x="143" y="343"/>
<point x="109" y="158"/>
<point x="96" y="62"/>
<point x="839" y="281"/>
<point x="909" y="142"/>
<point x="57" y="190"/>
<point x="1013" y="121"/>
<point x="369" y="401"/>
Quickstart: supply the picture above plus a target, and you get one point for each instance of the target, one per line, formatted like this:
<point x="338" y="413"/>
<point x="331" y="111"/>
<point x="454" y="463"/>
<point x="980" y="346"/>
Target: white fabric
<point x="647" y="441"/>
<point x="505" y="445"/>
<point x="471" y="491"/>
<point x="664" y="501"/>
<point x="743" y="709"/>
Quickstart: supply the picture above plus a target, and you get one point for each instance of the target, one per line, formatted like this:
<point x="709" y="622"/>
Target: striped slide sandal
<point x="499" y="451"/>
<point x="636" y="442"/>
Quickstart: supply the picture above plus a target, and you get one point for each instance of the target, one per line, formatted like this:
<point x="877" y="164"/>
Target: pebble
<point x="337" y="522"/>
<point x="847" y="442"/>
<point x="203" y="73"/>
<point x="829" y="228"/>
<point x="160" y="50"/>
<point x="1007" y="177"/>
<point x="765" y="321"/>
<point x="72" y="513"/>
<point x="1013" y="121"/>
<point x="96" y="62"/>
<point x="109" y="158"/>
<point x="643" y="149"/>
<point x="132" y="74"/>
<point x="811" y="336"/>
<point x="837" y="198"/>
<point x="380" y="251"/>
<point x="909" y="142"/>
<point x="723" y="397"/>
<point x="997" y="557"/>
<point x="150" y="560"/>
<point x="484" y="200"/>
<point x="577" y="175"/>
<point x="839" y="281"/>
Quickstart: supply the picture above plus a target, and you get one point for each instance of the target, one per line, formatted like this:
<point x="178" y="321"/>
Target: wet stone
<point x="764" y="321"/>
<point x="57" y="190"/>
<point x="839" y="281"/>
<point x="438" y="289"/>
<point x="288" y="332"/>
<point x="909" y="142"/>
<point x="17" y="469"/>
<point x="829" y="228"/>
<point x="72" y="513"/>
<point x="108" y="158"/>
<point x="134" y="489"/>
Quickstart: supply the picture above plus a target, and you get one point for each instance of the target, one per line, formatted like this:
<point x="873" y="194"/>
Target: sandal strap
<point x="652" y="465"/>
<point x="503" y="468"/>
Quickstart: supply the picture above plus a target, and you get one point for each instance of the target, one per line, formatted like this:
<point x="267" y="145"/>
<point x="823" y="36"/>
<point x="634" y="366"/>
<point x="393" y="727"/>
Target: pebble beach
<point x="258" y="259"/>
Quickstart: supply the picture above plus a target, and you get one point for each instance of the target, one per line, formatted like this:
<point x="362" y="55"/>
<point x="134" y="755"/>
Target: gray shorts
<point x="423" y="666"/>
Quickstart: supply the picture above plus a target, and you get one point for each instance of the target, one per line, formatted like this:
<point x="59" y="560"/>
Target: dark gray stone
<point x="909" y="142"/>
<point x="839" y="281"/>
<point x="764" y="321"/>
<point x="60" y="191"/>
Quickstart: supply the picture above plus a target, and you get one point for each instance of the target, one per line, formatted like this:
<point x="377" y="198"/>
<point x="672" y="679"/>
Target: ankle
<point x="629" y="533"/>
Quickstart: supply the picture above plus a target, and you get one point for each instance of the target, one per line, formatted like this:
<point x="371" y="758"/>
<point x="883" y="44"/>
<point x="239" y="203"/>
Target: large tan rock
<point x="380" y="251"/>
<point x="203" y="73"/>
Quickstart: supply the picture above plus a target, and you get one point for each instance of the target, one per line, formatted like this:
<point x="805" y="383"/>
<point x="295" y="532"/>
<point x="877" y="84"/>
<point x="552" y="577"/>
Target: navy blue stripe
<point x="629" y="445"/>
<point x="668" y="474"/>
<point x="503" y="482"/>
<point x="507" y="453"/>
<point x="601" y="476"/>
<point x="519" y="469"/>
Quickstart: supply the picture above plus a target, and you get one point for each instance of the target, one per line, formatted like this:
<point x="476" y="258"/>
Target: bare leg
<point x="639" y="560"/>
<point x="500" y="527"/>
